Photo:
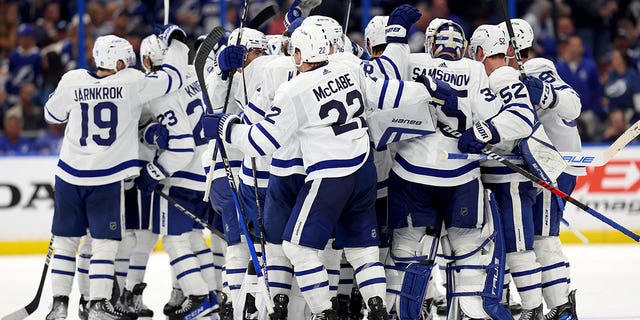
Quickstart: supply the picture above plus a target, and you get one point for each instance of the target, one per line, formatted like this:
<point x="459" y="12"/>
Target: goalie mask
<point x="429" y="34"/>
<point x="449" y="38"/>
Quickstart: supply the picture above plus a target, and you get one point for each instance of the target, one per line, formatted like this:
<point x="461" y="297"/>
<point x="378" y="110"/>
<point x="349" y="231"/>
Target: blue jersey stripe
<point x="54" y="117"/>
<point x="189" y="175"/>
<point x="383" y="93"/>
<point x="100" y="172"/>
<point x="180" y="150"/>
<point x="393" y="65"/>
<point x="254" y="144"/>
<point x="521" y="116"/>
<point x="170" y="83"/>
<point x="268" y="135"/>
<point x="174" y="69"/>
<point x="256" y="109"/>
<point x="382" y="70"/>
<point x="232" y="164"/>
<point x="286" y="163"/>
<point x="339" y="163"/>
<point x="396" y="103"/>
<point x="181" y="136"/>
<point x="259" y="174"/>
<point x="440" y="173"/>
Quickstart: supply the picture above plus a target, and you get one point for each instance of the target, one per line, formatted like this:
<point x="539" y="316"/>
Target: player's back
<point x="468" y="79"/>
<point x="328" y="103"/>
<point x="560" y="125"/>
<point x="100" y="144"/>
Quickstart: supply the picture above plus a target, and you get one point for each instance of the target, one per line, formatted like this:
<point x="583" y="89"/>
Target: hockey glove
<point x="299" y="8"/>
<point x="476" y="138"/>
<point x="168" y="32"/>
<point x="218" y="125"/>
<point x="156" y="134"/>
<point x="231" y="58"/>
<point x="541" y="94"/>
<point x="149" y="177"/>
<point x="441" y="95"/>
<point x="399" y="23"/>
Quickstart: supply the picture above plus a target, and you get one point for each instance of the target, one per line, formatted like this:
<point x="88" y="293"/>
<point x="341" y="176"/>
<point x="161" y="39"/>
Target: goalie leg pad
<point x="555" y="270"/>
<point x="478" y="271"/>
<point x="63" y="264"/>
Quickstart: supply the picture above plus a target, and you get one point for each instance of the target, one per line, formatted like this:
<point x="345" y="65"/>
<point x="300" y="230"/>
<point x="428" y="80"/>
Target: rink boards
<point x="26" y="200"/>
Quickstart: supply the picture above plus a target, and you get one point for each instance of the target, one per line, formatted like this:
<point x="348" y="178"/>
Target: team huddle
<point x="343" y="209"/>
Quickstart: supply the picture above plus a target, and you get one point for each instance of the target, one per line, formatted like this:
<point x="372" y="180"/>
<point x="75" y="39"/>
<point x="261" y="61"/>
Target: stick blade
<point x="210" y="41"/>
<point x="263" y="17"/>
<point x="17" y="315"/>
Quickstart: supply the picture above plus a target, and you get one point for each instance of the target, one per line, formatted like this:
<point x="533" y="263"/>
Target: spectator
<point x="25" y="62"/>
<point x="8" y="28"/>
<point x="46" y="32"/>
<point x="593" y="20"/>
<point x="622" y="87"/>
<point x="616" y="125"/>
<point x="12" y="142"/>
<point x="582" y="74"/>
<point x="540" y="19"/>
<point x="50" y="142"/>
<point x="31" y="114"/>
<point x="52" y="71"/>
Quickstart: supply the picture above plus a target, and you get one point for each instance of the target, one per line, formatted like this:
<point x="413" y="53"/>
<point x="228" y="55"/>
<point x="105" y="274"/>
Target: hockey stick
<point x="201" y="57"/>
<point x="190" y="214"/>
<point x="572" y="158"/>
<point x="494" y="156"/>
<point x="33" y="305"/>
<point x="345" y="23"/>
<point x="263" y="16"/>
<point x="512" y="39"/>
<point x="575" y="231"/>
<point x="166" y="12"/>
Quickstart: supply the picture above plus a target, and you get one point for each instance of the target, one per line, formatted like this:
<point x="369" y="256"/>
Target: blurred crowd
<point x="594" y="43"/>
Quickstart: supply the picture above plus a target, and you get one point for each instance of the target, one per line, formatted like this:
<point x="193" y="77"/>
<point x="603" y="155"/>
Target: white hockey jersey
<point x="468" y="78"/>
<point x="333" y="137"/>
<point x="560" y="122"/>
<point x="514" y="121"/>
<point x="101" y="139"/>
<point x="180" y="112"/>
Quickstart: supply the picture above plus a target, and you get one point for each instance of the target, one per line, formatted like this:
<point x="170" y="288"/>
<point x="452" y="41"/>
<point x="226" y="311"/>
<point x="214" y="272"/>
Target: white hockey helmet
<point x="430" y="32"/>
<point x="312" y="43"/>
<point x="154" y="49"/>
<point x="449" y="37"/>
<point x="491" y="39"/>
<point x="251" y="39"/>
<point x="108" y="50"/>
<point x="274" y="44"/>
<point x="332" y="29"/>
<point x="374" y="33"/>
<point x="522" y="31"/>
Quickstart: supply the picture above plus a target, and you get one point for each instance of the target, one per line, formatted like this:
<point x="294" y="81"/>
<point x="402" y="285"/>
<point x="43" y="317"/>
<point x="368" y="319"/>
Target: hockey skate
<point x="175" y="300"/>
<point x="250" y="311"/>
<point x="138" y="306"/>
<point x="104" y="310"/>
<point x="356" y="305"/>
<point x="226" y="308"/>
<point x="58" y="308"/>
<point x="83" y="308"/>
<point x="532" y="314"/>
<point x="340" y="304"/>
<point x="328" y="314"/>
<point x="377" y="310"/>
<point x="193" y="307"/>
<point x="565" y="311"/>
<point x="280" y="307"/>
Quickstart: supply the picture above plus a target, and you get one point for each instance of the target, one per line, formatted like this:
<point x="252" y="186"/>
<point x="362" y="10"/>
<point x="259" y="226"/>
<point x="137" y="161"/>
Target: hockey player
<point x="558" y="106"/>
<point x="178" y="163"/>
<point x="423" y="193"/>
<point x="99" y="151"/>
<point x="514" y="194"/>
<point x="229" y="58"/>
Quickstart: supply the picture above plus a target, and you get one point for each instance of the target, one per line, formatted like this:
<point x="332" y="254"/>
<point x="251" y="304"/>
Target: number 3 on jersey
<point x="105" y="116"/>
